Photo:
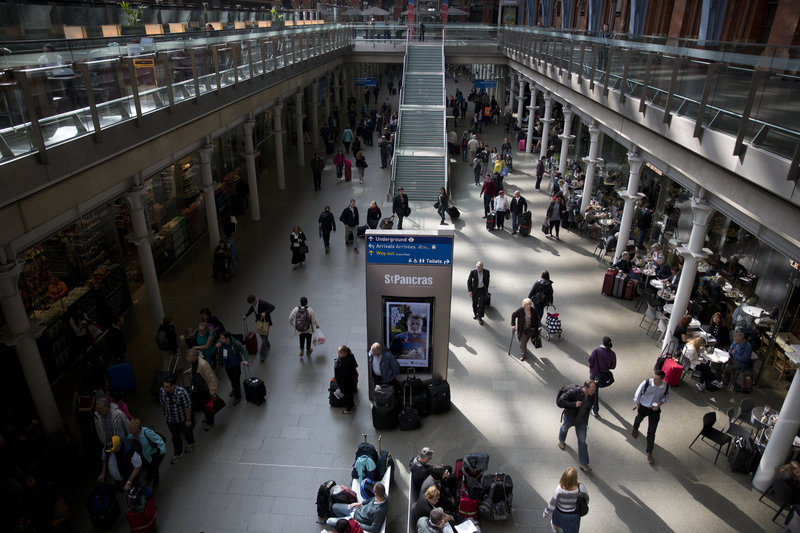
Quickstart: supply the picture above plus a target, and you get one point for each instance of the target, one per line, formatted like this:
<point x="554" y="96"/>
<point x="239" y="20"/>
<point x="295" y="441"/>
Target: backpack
<point x="367" y="489"/>
<point x="565" y="389"/>
<point x="324" y="499"/>
<point x="384" y="462"/>
<point x="647" y="384"/>
<point x="302" y="319"/>
<point x="137" y="499"/>
<point x="539" y="296"/>
<point x="498" y="489"/>
<point x="342" y="494"/>
<point x="162" y="339"/>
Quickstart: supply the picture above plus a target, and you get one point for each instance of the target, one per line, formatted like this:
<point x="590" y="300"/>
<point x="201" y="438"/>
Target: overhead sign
<point x="366" y="82"/>
<point x="409" y="250"/>
<point x="486" y="84"/>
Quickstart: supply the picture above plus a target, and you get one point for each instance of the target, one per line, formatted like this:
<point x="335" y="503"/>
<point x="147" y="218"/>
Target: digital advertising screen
<point x="409" y="329"/>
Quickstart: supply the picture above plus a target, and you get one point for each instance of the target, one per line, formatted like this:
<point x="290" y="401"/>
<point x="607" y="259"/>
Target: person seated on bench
<point x="420" y="467"/>
<point x="369" y="513"/>
<point x="433" y="523"/>
<point x="426" y="503"/>
<point x="440" y="478"/>
<point x="345" y="525"/>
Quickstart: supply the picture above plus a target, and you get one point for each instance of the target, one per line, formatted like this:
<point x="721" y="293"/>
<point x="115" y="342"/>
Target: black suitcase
<point x="254" y="389"/>
<point x="409" y="416"/>
<point x="384" y="417"/>
<point x="525" y="224"/>
<point x="438" y="397"/>
<point x="490" y="221"/>
<point x="361" y="231"/>
<point x="745" y="456"/>
<point x="417" y="392"/>
<point x="453" y="212"/>
<point x="487" y="300"/>
<point x="332" y="399"/>
<point x="384" y="396"/>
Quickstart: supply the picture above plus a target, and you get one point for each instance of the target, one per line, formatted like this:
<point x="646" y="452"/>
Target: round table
<point x="657" y="283"/>
<point x="667" y="296"/>
<point x="717" y="356"/>
<point x="649" y="272"/>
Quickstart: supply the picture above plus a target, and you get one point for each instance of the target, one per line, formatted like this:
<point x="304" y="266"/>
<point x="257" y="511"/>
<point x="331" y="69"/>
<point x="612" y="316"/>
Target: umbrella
<point x="374" y="11"/>
<point x="455" y="11"/>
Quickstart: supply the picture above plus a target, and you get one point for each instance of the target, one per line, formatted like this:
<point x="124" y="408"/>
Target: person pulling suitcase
<point x="233" y="356"/>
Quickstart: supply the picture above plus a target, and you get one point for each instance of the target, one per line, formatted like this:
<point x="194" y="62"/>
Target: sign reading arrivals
<point x="412" y="249"/>
<point x="366" y="82"/>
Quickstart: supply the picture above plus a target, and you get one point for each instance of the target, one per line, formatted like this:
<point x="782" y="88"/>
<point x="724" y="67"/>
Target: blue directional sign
<point x="409" y="250"/>
<point x="366" y="82"/>
<point x="486" y="84"/>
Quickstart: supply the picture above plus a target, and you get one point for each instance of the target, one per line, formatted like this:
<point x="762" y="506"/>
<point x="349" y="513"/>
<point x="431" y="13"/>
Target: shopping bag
<point x="262" y="327"/>
<point x="318" y="337"/>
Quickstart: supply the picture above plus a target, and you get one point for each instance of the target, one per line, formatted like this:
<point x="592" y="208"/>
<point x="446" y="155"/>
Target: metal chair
<point x="733" y="429"/>
<point x="661" y="329"/>
<point x="599" y="249"/>
<point x="745" y="410"/>
<point x="651" y="315"/>
<point x="719" y="438"/>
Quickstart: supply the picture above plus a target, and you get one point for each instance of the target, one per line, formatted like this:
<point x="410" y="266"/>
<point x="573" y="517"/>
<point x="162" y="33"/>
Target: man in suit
<point x="262" y="309"/>
<point x="675" y="276"/>
<point x="478" y="287"/>
<point x="399" y="206"/>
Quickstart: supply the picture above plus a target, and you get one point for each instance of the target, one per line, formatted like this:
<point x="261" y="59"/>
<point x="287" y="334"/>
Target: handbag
<point x="436" y="205"/>
<point x="583" y="505"/>
<point x="303" y="249"/>
<point x="214" y="405"/>
<point x="537" y="341"/>
<point x="407" y="212"/>
<point x="604" y="379"/>
<point x="545" y="228"/>
<point x="508" y="214"/>
<point x="262" y="327"/>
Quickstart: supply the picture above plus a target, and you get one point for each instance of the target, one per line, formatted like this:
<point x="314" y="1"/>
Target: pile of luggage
<point x="407" y="406"/>
<point x="479" y="494"/>
<point x="618" y="284"/>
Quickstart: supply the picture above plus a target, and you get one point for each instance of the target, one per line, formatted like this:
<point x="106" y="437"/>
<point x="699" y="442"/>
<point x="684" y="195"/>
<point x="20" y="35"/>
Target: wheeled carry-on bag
<point x="384" y="416"/>
<point x="103" y="506"/>
<point x="409" y="416"/>
<point x="630" y="289"/>
<point x="608" y="281"/>
<point x="254" y="389"/>
<point x="417" y="391"/>
<point x="525" y="224"/>
<point x="161" y="376"/>
<point x="490" y="221"/>
<point x="453" y="212"/>
<point x="439" y="397"/>
<point x="619" y="284"/>
<point x="332" y="399"/>
<point x="144" y="522"/>
<point x="553" y="323"/>
<point x="250" y="340"/>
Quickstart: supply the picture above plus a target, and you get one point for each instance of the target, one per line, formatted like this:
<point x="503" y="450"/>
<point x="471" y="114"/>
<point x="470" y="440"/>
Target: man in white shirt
<point x="650" y="396"/>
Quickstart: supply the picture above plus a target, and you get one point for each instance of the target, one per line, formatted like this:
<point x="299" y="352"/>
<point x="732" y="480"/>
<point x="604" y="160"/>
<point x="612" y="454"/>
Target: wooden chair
<point x="782" y="365"/>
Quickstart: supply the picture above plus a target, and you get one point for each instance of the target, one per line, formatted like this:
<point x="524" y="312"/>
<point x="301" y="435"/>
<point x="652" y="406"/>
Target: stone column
<point x="531" y="111"/>
<point x="315" y="114"/>
<point x="521" y="101"/>
<point x="780" y="442"/>
<point x="252" y="176"/>
<point x="328" y="95"/>
<point x="21" y="336"/>
<point x="345" y="86"/>
<point x="207" y="183"/>
<point x="338" y="86"/>
<point x="298" y="106"/>
<point x="278" y="133"/>
<point x="510" y="88"/>
<point x="591" y="161"/>
<point x="631" y="196"/>
<point x="548" y="111"/>
<point x="692" y="254"/>
<point x="565" y="140"/>
<point x="142" y="240"/>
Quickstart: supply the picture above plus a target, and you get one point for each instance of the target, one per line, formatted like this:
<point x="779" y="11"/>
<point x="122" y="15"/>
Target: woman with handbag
<point x="361" y="164"/>
<point x="441" y="205"/>
<point x="346" y="376"/>
<point x="569" y="502"/>
<point x="298" y="247"/>
<point x="525" y="321"/>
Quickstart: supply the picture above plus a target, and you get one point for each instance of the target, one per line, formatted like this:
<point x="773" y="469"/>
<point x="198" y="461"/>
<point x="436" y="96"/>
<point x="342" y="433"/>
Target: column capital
<point x="687" y="254"/>
<point x="701" y="212"/>
<point x="134" y="197"/>
<point x="249" y="124"/>
<point x="567" y="138"/>
<point x="635" y="162"/>
<point x="548" y="100"/>
<point x="594" y="132"/>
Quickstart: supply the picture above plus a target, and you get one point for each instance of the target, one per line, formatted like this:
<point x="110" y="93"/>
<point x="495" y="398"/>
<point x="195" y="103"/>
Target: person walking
<point x="361" y="164"/>
<point x="400" y="206"/>
<point x="487" y="191"/>
<point x="262" y="310"/>
<point x="346" y="376"/>
<point x="109" y="420"/>
<point x="602" y="361"/>
<point x="564" y="503"/>
<point x="304" y="321"/>
<point x="383" y="149"/>
<point x="539" y="172"/>
<point x="298" y="247"/>
<point x="650" y="396"/>
<point x="234" y="356"/>
<point x="441" y="205"/>
<point x="347" y="138"/>
<point x="317" y="166"/>
<point x="176" y="405"/>
<point x="152" y="448"/>
<point x="326" y="225"/>
<point x="576" y="402"/>
<point x="542" y="294"/>
<point x="478" y="287"/>
<point x="525" y="322"/>
<point x="556" y="212"/>
<point x="500" y="206"/>
<point x="373" y="215"/>
<point x="518" y="206"/>
<point x="477" y="167"/>
<point x="204" y="383"/>
<point x="338" y="162"/>
<point x="349" y="218"/>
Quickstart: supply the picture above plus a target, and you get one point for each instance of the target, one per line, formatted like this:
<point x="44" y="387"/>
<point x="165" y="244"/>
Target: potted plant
<point x="133" y="18"/>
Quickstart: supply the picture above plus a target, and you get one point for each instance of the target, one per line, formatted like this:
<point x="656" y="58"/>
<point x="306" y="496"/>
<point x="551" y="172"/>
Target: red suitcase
<point x="348" y="170"/>
<point x="251" y="343"/>
<point x="630" y="289"/>
<point x="144" y="522"/>
<point x="608" y="281"/>
<point x="673" y="372"/>
<point x="522" y="145"/>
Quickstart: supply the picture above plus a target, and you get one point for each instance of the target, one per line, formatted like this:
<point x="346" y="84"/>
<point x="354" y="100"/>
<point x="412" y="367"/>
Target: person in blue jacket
<point x="383" y="367"/>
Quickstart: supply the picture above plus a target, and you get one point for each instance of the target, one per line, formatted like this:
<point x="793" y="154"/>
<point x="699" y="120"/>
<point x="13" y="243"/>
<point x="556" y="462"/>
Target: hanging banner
<point x="410" y="19"/>
<point x="444" y="11"/>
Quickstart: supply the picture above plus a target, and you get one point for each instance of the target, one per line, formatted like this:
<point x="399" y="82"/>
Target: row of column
<point x="21" y="334"/>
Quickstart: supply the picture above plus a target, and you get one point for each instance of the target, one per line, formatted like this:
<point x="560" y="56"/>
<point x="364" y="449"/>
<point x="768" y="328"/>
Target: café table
<point x="657" y="284"/>
<point x="694" y="324"/>
<point x="666" y="295"/>
<point x="753" y="310"/>
<point x="716" y="356"/>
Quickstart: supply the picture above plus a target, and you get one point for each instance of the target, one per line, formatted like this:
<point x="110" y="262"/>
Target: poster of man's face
<point x="408" y="326"/>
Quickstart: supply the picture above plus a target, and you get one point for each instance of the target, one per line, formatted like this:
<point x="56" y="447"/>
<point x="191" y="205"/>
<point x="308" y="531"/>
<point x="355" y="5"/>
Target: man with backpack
<point x="303" y="320"/>
<point x="576" y="401"/>
<point x="650" y="396"/>
<point x="602" y="361"/>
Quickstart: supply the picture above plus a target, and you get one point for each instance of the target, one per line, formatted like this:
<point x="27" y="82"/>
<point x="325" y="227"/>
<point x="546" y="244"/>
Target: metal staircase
<point x="420" y="154"/>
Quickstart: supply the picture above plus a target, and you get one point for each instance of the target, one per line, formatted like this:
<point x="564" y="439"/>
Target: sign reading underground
<point x="411" y="249"/>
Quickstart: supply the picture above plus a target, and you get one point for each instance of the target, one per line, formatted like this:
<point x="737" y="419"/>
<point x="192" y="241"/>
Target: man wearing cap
<point x="121" y="461"/>
<point x="420" y="466"/>
<point x="601" y="361"/>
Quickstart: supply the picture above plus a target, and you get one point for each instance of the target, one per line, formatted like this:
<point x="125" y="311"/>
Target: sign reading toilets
<point x="409" y="281"/>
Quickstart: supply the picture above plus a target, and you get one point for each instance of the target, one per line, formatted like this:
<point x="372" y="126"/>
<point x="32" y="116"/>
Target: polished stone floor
<point x="259" y="468"/>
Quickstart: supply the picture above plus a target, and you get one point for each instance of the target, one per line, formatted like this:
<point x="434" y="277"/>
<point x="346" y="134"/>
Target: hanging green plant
<point x="132" y="14"/>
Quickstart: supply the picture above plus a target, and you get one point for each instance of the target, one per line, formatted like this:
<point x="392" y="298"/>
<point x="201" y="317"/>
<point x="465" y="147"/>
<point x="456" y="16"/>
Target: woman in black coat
<point x="556" y="212"/>
<point x="344" y="371"/>
<point x="373" y="215"/>
<point x="298" y="247"/>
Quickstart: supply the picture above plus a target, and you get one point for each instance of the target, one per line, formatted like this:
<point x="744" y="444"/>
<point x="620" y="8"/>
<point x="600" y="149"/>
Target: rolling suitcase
<point x="103" y="507"/>
<point x="254" y="389"/>
<point x="384" y="416"/>
<point x="384" y="396"/>
<point x="348" y="170"/>
<point x="487" y="300"/>
<point x="673" y="371"/>
<point x="120" y="377"/>
<point x="144" y="522"/>
<point x="417" y="392"/>
<point x="522" y="145"/>
<point x="409" y="416"/>
<point x="453" y="212"/>
<point x="630" y="289"/>
<point x="608" y="281"/>
<point x="490" y="221"/>
<point x="525" y="224"/>
<point x="250" y="340"/>
<point x="439" y="397"/>
<point x="361" y="231"/>
<point x="387" y="223"/>
<point x="332" y="399"/>
<point x="619" y="284"/>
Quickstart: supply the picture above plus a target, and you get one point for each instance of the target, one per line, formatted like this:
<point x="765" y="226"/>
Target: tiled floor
<point x="259" y="469"/>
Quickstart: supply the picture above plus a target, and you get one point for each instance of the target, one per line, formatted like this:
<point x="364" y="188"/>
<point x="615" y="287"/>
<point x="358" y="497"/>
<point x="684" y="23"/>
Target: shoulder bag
<point x="583" y="505"/>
